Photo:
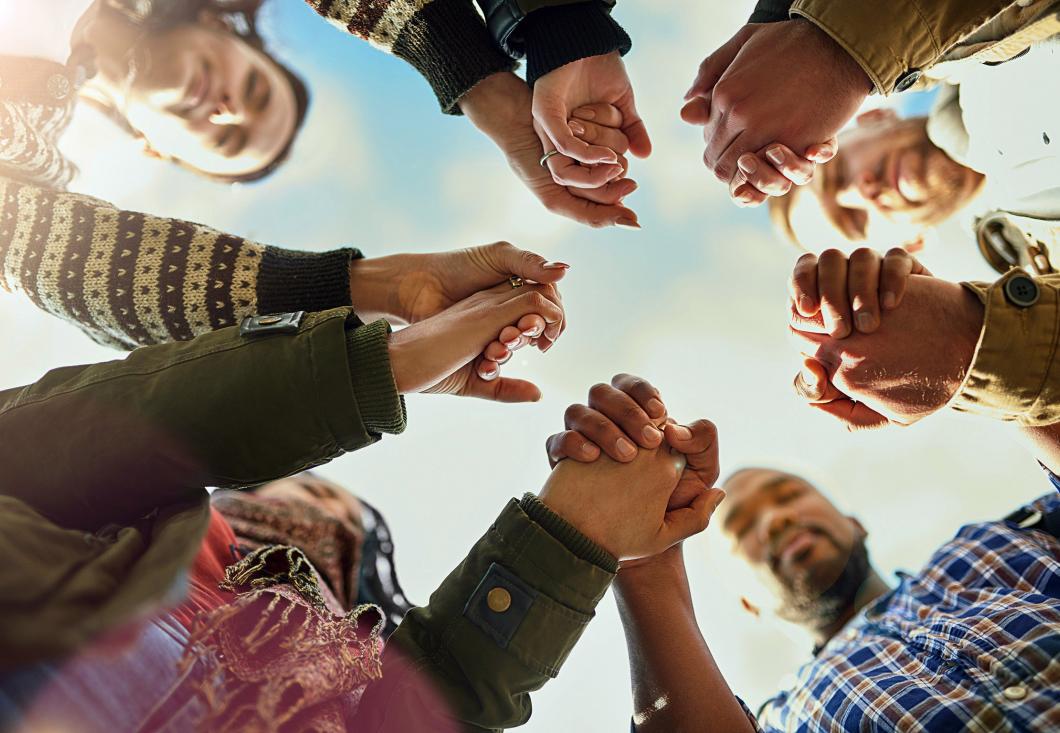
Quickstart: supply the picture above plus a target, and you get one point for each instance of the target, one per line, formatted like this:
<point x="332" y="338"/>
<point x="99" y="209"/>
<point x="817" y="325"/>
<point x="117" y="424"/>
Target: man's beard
<point x="819" y="610"/>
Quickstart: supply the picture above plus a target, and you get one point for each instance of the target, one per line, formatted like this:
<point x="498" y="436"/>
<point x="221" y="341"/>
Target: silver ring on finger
<point x="516" y="282"/>
<point x="546" y="156"/>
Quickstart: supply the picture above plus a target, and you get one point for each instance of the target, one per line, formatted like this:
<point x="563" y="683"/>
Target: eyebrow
<point x="771" y="486"/>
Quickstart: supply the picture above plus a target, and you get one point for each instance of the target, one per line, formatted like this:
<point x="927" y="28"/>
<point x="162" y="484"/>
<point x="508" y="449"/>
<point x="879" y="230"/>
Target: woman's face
<point x="206" y="97"/>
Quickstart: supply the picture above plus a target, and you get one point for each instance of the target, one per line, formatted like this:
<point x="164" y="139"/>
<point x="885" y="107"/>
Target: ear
<point x="915" y="245"/>
<point x="750" y="607"/>
<point x="879" y="116"/>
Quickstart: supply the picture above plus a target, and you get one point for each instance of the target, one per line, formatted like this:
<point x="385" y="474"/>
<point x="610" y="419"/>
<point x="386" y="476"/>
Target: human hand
<point x="908" y="368"/>
<point x="773" y="170"/>
<point x="849" y="292"/>
<point x="773" y="82"/>
<point x="439" y="355"/>
<point x="409" y="288"/>
<point x="501" y="107"/>
<point x="592" y="80"/>
<point x="629" y="413"/>
<point x="625" y="507"/>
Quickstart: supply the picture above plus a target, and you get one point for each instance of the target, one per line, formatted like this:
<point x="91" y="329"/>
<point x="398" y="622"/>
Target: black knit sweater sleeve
<point x="771" y="11"/>
<point x="555" y="36"/>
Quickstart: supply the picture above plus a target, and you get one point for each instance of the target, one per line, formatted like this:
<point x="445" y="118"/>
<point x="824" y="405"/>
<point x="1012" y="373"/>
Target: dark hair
<point x="241" y="18"/>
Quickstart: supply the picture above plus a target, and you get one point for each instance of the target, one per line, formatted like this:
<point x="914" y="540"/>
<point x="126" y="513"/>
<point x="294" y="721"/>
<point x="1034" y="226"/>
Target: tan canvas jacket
<point x="897" y="42"/>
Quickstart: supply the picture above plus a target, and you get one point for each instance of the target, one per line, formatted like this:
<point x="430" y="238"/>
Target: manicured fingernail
<point x="655" y="408"/>
<point x="805" y="305"/>
<point x="809" y="378"/>
<point x="625" y="448"/>
<point x="556" y="266"/>
<point x="889" y="300"/>
<point x="825" y="151"/>
<point x="776" y="157"/>
<point x="611" y="158"/>
<point x="682" y="432"/>
<point x="865" y="321"/>
<point x="513" y="344"/>
<point x="576" y="127"/>
<point x="532" y="332"/>
<point x="586" y="113"/>
<point x="490" y="375"/>
<point x="748" y="164"/>
<point x="625" y="221"/>
<point x="506" y="358"/>
<point x="651" y="433"/>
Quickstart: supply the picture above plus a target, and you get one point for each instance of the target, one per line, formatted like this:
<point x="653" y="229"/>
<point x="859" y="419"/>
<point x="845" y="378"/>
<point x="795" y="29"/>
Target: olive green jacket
<point x="103" y="506"/>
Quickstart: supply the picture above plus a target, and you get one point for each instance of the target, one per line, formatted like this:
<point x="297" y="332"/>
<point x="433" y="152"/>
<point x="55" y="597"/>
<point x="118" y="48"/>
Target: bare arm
<point x="677" y="686"/>
<point x="1044" y="444"/>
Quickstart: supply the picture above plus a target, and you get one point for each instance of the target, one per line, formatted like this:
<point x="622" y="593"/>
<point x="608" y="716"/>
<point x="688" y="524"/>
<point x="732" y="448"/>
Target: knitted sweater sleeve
<point x="129" y="279"/>
<point x="445" y="40"/>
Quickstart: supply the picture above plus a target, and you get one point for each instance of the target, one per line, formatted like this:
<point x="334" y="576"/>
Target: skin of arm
<point x="677" y="685"/>
<point x="1044" y="444"/>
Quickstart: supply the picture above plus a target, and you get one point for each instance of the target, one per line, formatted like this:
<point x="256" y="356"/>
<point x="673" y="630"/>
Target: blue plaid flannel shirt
<point x="970" y="643"/>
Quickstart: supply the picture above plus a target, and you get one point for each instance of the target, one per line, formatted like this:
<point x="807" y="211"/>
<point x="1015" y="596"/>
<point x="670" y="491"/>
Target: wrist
<point x="372" y="288"/>
<point x="496" y="104"/>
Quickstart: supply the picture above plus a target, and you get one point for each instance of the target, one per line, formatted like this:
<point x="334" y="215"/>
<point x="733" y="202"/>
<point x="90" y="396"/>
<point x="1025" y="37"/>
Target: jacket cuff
<point x="556" y="36"/>
<point x="916" y="35"/>
<point x="382" y="409"/>
<point x="289" y="280"/>
<point x="564" y="532"/>
<point x="1014" y="375"/>
<point x="447" y="42"/>
<point x="771" y="11"/>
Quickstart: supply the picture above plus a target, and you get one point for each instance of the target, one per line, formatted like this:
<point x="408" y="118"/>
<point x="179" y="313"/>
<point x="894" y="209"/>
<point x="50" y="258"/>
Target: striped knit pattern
<point x="445" y="40"/>
<point x="28" y="135"/>
<point x="130" y="279"/>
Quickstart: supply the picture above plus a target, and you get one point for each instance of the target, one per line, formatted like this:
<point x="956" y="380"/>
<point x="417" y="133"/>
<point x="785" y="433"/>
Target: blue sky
<point x="695" y="301"/>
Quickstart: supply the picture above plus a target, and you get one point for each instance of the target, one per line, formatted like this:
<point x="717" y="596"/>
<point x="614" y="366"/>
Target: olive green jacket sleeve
<point x="108" y="443"/>
<point x="129" y="279"/>
<point x="103" y="502"/>
<point x="894" y="41"/>
<point x="1015" y="372"/>
<point x="499" y="627"/>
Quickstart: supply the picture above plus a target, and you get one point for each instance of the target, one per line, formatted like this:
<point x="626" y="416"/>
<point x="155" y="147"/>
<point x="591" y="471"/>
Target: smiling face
<point x="887" y="185"/>
<point x="811" y="555"/>
<point x="204" y="96"/>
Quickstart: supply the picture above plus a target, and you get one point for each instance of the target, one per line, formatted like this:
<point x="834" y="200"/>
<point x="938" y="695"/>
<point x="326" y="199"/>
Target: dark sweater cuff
<point x="559" y="35"/>
<point x="290" y="281"/>
<point x="447" y="42"/>
<point x="564" y="532"/>
<point x="771" y="11"/>
<point x="382" y="408"/>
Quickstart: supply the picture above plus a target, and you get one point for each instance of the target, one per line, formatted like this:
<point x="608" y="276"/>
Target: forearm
<point x="129" y="279"/>
<point x="677" y="686"/>
<point x="1044" y="444"/>
<point x="444" y="40"/>
<point x="225" y="410"/>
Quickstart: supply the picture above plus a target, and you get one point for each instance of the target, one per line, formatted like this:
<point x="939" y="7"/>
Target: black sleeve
<point x="556" y="36"/>
<point x="771" y="11"/>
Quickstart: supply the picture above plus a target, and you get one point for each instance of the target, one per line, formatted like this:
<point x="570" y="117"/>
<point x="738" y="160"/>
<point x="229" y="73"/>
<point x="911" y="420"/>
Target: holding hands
<point x="909" y="363"/>
<point x="641" y="502"/>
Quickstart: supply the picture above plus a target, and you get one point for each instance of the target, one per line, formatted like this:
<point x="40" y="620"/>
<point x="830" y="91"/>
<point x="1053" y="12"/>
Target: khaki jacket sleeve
<point x="499" y="627"/>
<point x="892" y="41"/>
<point x="1015" y="373"/>
<point x="446" y="41"/>
<point x="129" y="279"/>
<point x="108" y="443"/>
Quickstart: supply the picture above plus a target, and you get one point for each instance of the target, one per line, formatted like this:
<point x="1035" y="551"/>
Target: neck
<point x="873" y="587"/>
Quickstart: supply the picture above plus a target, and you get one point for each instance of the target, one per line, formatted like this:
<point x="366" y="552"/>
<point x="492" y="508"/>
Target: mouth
<point x="794" y="548"/>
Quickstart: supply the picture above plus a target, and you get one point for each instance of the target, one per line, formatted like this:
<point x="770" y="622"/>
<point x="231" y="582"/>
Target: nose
<point x="771" y="523"/>
<point x="227" y="112"/>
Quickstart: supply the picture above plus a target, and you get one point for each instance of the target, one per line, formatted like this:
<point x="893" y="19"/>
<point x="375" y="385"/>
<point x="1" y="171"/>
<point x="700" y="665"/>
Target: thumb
<point x="505" y="390"/>
<point x="634" y="128"/>
<point x="680" y="524"/>
<point x="509" y="259"/>
<point x="555" y="125"/>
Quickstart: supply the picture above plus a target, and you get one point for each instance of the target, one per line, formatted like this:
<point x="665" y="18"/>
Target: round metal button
<point x="1022" y="291"/>
<point x="907" y="80"/>
<point x="58" y="86"/>
<point x="269" y="320"/>
<point x="1016" y="692"/>
<point x="499" y="600"/>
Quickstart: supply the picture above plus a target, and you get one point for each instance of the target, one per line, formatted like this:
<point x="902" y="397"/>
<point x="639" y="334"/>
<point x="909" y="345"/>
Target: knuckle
<point x="572" y="413"/>
<point x="806" y="261"/>
<point x="863" y="255"/>
<point x="831" y="256"/>
<point x="537" y="300"/>
<point x="598" y="391"/>
<point x="897" y="253"/>
<point x="724" y="97"/>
